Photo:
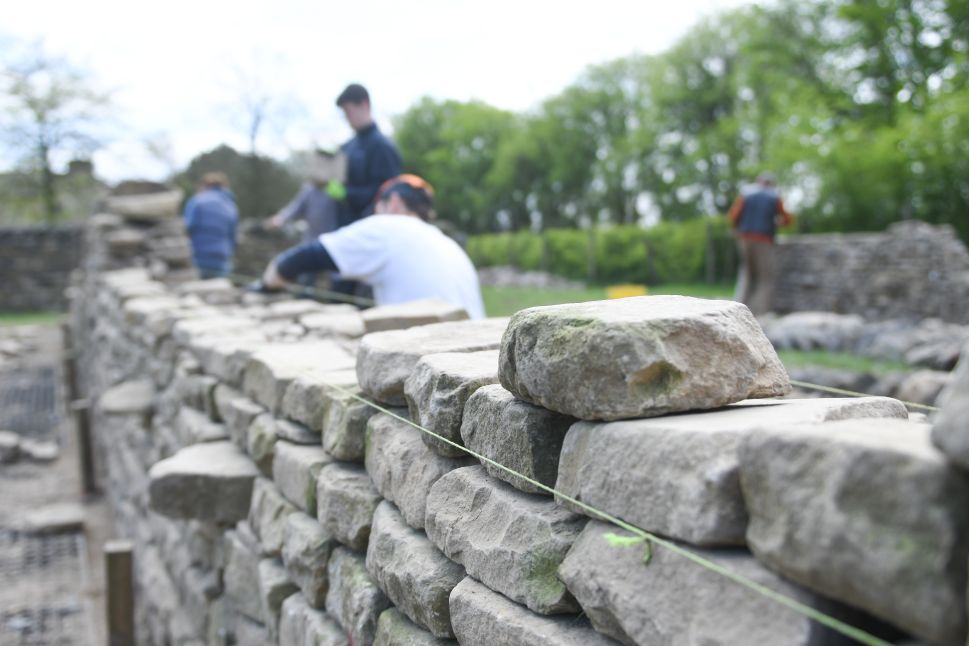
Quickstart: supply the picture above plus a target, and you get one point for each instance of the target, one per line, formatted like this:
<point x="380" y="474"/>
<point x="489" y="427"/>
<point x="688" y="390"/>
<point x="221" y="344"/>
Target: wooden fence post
<point x="120" y="592"/>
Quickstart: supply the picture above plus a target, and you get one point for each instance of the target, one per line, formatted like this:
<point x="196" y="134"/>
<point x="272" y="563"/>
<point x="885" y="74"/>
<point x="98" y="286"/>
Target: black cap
<point x="353" y="93"/>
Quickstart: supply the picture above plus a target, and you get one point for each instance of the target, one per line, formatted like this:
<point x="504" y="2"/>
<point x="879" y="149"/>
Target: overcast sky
<point x="177" y="68"/>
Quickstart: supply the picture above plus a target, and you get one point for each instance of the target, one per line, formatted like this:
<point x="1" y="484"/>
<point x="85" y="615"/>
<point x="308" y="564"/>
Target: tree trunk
<point x="47" y="189"/>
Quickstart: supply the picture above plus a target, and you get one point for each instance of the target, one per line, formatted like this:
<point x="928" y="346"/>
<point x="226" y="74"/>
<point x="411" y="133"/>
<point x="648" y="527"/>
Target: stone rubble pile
<point x="270" y="503"/>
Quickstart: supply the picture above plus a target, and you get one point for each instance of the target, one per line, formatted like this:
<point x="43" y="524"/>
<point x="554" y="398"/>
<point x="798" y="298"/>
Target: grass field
<point x="30" y="318"/>
<point x="504" y="301"/>
<point x="841" y="361"/>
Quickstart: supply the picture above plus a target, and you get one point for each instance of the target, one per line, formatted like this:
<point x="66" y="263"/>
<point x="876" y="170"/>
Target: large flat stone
<point x="395" y="629"/>
<point x="673" y="600"/>
<point x="482" y="617"/>
<point x="950" y="430"/>
<point x="521" y="436"/>
<point x="865" y="512"/>
<point x="345" y="502"/>
<point x="405" y="315"/>
<point x="295" y="468"/>
<point x="261" y="441"/>
<point x="274" y="588"/>
<point x="306" y="552"/>
<point x="129" y="398"/>
<point x="347" y="324"/>
<point x="306" y="397"/>
<point x="440" y="386"/>
<point x="354" y="599"/>
<point x="273" y="368"/>
<point x="639" y="357"/>
<point x="511" y="541"/>
<point x="195" y="427"/>
<point x="413" y="573"/>
<point x="402" y="467"/>
<point x="386" y="359"/>
<point x="267" y="515"/>
<point x="211" y="482"/>
<point x="302" y="625"/>
<point x="679" y="475"/>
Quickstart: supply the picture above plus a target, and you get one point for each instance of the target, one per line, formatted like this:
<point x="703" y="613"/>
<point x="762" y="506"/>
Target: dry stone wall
<point x="36" y="268"/>
<point x="271" y="502"/>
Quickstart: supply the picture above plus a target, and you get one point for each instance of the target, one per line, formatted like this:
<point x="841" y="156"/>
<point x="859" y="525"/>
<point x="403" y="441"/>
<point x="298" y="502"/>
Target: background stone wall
<point x="268" y="505"/>
<point x="36" y="267"/>
<point x="913" y="270"/>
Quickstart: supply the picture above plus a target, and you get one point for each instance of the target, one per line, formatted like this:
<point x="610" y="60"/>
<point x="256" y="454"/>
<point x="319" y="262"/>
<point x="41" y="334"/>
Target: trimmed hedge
<point x="671" y="252"/>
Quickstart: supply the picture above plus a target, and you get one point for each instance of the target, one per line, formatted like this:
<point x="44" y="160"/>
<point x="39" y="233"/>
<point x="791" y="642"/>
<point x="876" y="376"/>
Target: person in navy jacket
<point x="211" y="220"/>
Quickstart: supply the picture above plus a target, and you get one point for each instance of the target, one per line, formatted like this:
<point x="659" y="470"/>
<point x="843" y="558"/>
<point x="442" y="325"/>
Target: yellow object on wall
<point x="624" y="291"/>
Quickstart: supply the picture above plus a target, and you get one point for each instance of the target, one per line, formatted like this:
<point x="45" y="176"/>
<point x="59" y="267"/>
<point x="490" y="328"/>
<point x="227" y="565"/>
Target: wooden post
<point x="85" y="446"/>
<point x="120" y="592"/>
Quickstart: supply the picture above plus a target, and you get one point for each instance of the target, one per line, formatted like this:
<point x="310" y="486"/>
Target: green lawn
<point x="504" y="301"/>
<point x="30" y="318"/>
<point x="841" y="361"/>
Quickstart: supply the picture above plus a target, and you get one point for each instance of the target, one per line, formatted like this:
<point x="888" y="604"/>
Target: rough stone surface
<point x="406" y="315"/>
<point x="345" y="422"/>
<point x="395" y="629"/>
<point x="354" y="599"/>
<point x="306" y="397"/>
<point x="345" y="502"/>
<point x="482" y="618"/>
<point x="413" y="573"/>
<point x="516" y="434"/>
<point x="273" y="368"/>
<point x="9" y="447"/>
<point x="386" y="359"/>
<point x="267" y="515"/>
<point x="674" y="601"/>
<point x="347" y="324"/>
<point x="296" y="433"/>
<point x="237" y="412"/>
<point x="301" y="625"/>
<point x="687" y="464"/>
<point x="871" y="515"/>
<point x="274" y="588"/>
<point x="58" y="518"/>
<point x="950" y="431"/>
<point x="261" y="441"/>
<point x="306" y="552"/>
<point x="195" y="427"/>
<point x="211" y="481"/>
<point x="129" y="398"/>
<point x="242" y="572"/>
<point x="638" y="357"/>
<point x="402" y="467"/>
<point x="440" y="386"/>
<point x="295" y="468"/>
<point x="923" y="386"/>
<point x="510" y="541"/>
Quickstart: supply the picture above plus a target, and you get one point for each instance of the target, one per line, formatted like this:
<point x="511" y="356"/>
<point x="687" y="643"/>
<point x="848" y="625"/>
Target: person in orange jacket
<point x="755" y="216"/>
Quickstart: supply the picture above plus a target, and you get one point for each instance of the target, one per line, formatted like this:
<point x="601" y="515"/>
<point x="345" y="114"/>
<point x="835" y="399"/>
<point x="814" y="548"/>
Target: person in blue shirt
<point x="211" y="220"/>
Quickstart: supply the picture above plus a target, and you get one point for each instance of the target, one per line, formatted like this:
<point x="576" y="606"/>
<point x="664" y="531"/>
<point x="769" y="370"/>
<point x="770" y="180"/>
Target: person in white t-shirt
<point x="397" y="251"/>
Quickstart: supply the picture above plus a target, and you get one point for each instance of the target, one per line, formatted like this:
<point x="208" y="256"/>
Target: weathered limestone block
<point x="9" y="447"/>
<point x="950" y="431"/>
<point x="211" y="481"/>
<point x="249" y="632"/>
<point x="195" y="427"/>
<point x="354" y="599"/>
<point x="274" y="367"/>
<point x="295" y="468"/>
<point x="481" y="618"/>
<point x="301" y="625"/>
<point x="406" y="315"/>
<point x="261" y="442"/>
<point x="345" y="422"/>
<point x="347" y="324"/>
<point x="402" y="467"/>
<point x="296" y="433"/>
<point x="227" y="357"/>
<point x="267" y="515"/>
<point x="395" y="629"/>
<point x="306" y="552"/>
<point x="241" y="577"/>
<point x="137" y="310"/>
<point x="274" y="588"/>
<point x="923" y="386"/>
<point x="345" y="502"/>
<point x="293" y="309"/>
<point x="386" y="359"/>
<point x="413" y="573"/>
<point x="196" y="391"/>
<point x="237" y="412"/>
<point x="672" y="600"/>
<point x="679" y="475"/>
<point x="440" y="386"/>
<point x="129" y="398"/>
<point x="639" y="357"/>
<point x="510" y="541"/>
<point x="190" y="330"/>
<point x="306" y="397"/>
<point x="866" y="513"/>
<point x="516" y="434"/>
